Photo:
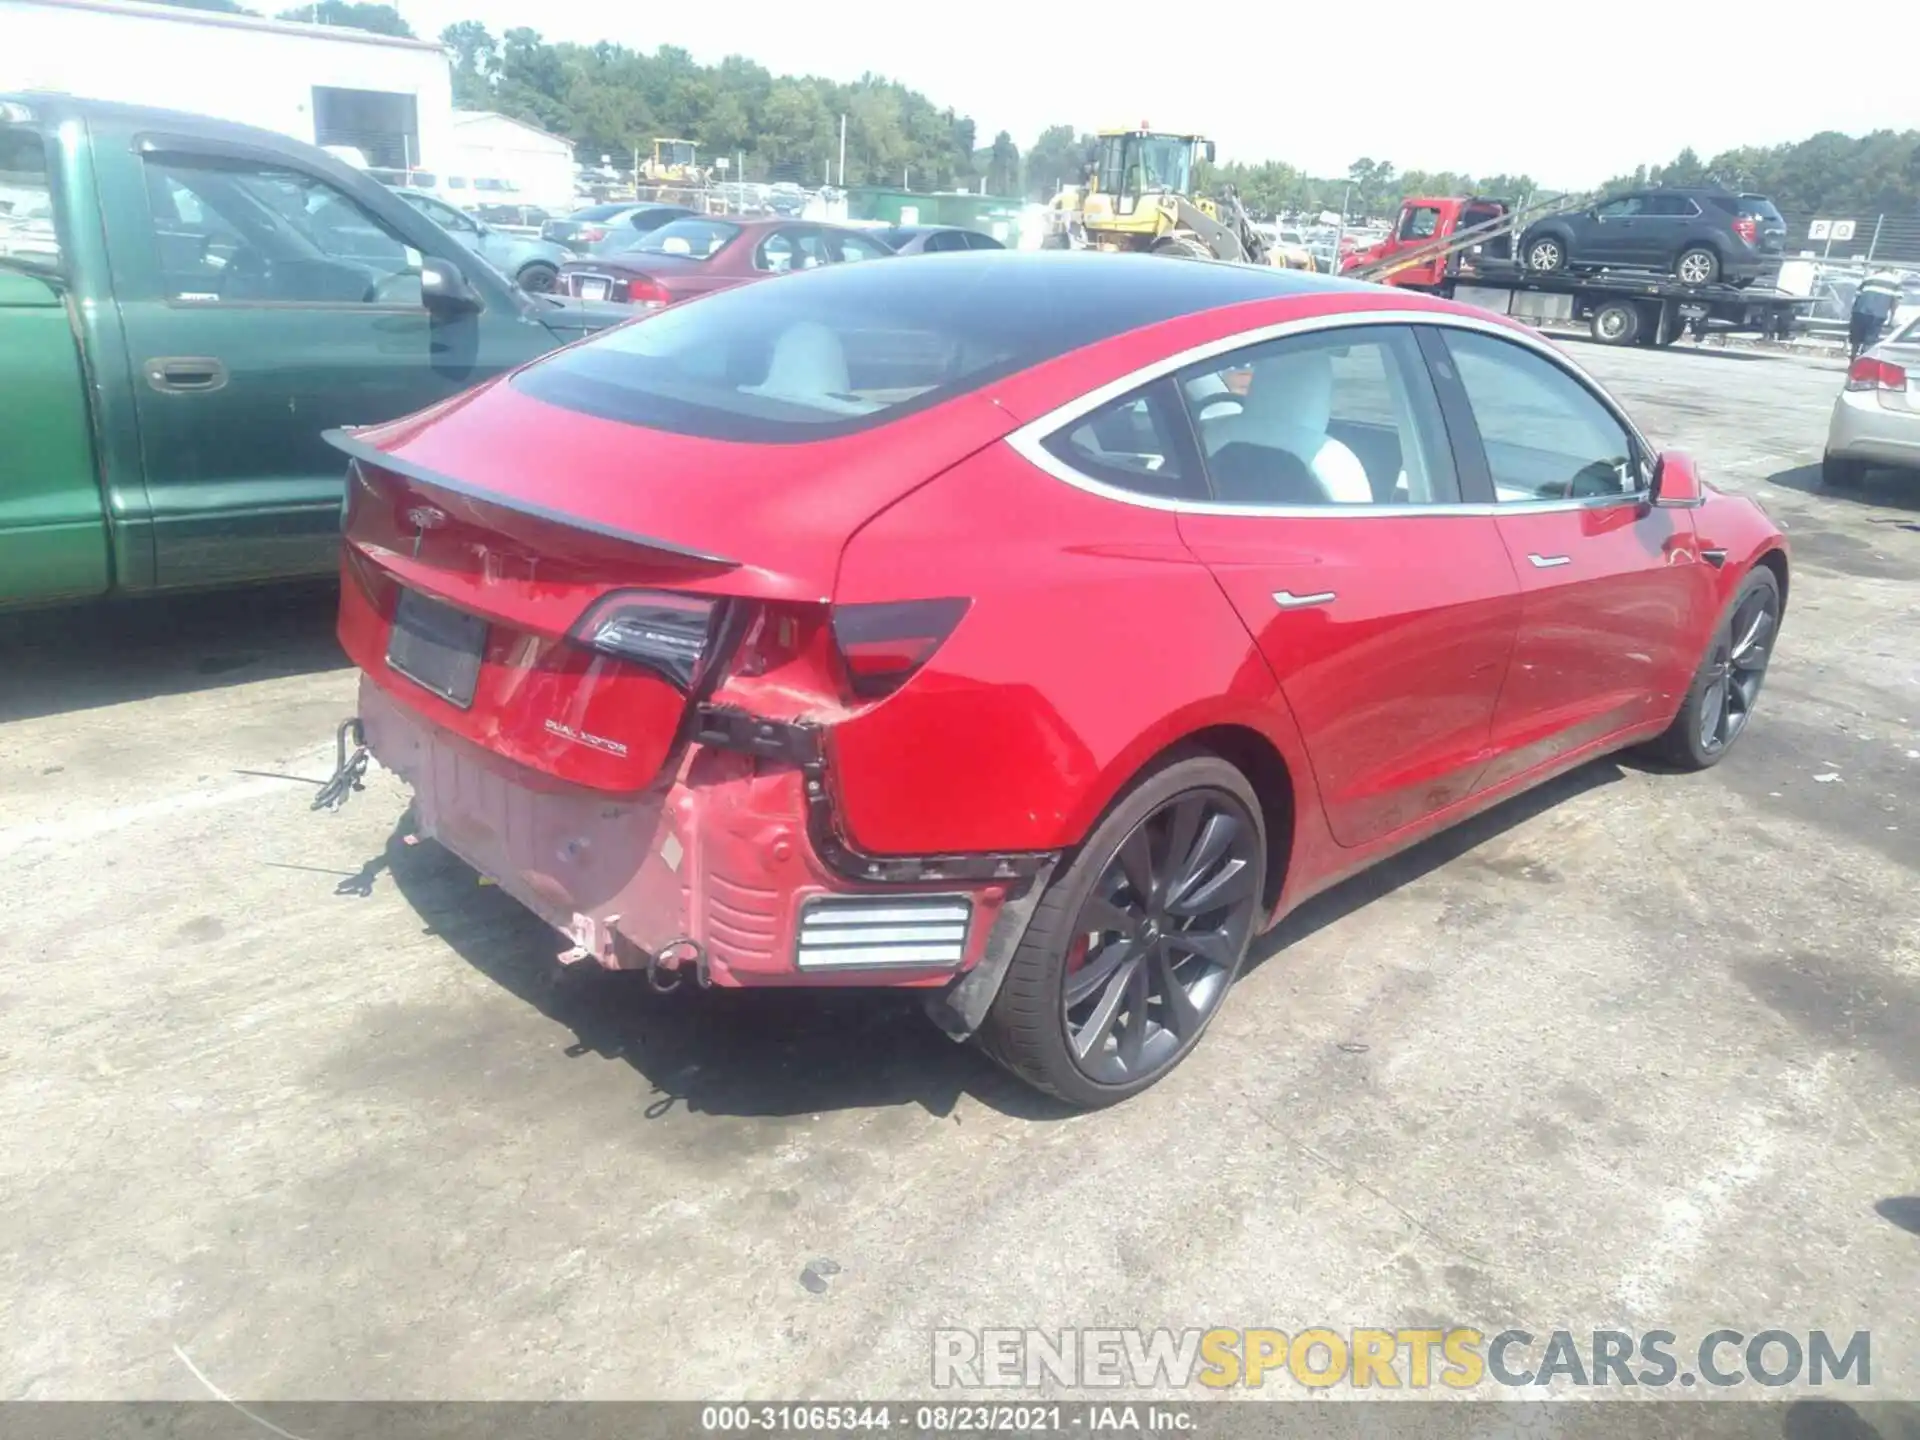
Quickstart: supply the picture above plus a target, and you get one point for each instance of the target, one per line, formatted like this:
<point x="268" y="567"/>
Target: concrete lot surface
<point x="305" y="1105"/>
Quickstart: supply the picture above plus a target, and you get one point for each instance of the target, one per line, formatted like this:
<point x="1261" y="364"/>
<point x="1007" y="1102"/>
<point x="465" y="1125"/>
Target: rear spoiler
<point x="345" y="442"/>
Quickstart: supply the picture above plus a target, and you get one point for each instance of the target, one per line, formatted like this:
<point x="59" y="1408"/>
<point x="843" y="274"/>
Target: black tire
<point x="1029" y="1029"/>
<point x="537" y="278"/>
<point x="1617" y="322"/>
<point x="1544" y="254"/>
<point x="1839" y="473"/>
<point x="1697" y="265"/>
<point x="1720" y="700"/>
<point x="1183" y="247"/>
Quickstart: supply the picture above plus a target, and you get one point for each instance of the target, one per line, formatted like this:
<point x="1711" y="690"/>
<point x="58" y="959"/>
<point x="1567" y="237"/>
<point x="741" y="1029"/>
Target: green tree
<point x="1003" y="166"/>
<point x="1054" y="160"/>
<point x="476" y="59"/>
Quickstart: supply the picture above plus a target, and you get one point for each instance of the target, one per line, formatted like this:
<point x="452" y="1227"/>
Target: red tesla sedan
<point x="1031" y="628"/>
<point x="703" y="253"/>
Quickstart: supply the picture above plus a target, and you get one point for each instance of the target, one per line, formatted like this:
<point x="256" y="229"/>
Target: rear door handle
<point x="1549" y="562"/>
<point x="185" y="374"/>
<point x="1287" y="600"/>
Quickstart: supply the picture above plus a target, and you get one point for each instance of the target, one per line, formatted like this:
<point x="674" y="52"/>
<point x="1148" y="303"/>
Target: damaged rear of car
<point x="594" y="608"/>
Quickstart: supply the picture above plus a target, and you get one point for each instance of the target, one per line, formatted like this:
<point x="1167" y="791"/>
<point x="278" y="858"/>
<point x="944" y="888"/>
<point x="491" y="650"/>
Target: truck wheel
<point x="1546" y="255"/>
<point x="538" y="278"/>
<point x="1183" y="247"/>
<point x="1616" y="323"/>
<point x="1697" y="265"/>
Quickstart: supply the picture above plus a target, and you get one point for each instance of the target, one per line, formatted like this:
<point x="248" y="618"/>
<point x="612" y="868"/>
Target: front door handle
<point x="1549" y="562"/>
<point x="1287" y="600"/>
<point x="185" y="374"/>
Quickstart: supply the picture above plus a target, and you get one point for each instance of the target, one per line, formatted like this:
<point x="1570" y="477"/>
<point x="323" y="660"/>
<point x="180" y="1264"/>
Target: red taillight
<point x="592" y="234"/>
<point x="1871" y="374"/>
<point x="1747" y="228"/>
<point x="883" y="645"/>
<point x="671" y="634"/>
<point x="646" y="293"/>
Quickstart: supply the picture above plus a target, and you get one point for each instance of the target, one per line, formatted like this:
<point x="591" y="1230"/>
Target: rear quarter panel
<point x="1094" y="640"/>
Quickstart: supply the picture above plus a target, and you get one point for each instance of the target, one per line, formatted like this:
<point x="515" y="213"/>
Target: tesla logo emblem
<point x="424" y="518"/>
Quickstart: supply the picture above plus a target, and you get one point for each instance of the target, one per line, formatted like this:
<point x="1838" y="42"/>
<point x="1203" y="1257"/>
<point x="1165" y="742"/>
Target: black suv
<point x="1701" y="236"/>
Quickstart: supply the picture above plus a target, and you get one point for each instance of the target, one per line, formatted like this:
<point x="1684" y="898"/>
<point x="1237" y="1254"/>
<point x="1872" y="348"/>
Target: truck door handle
<point x="185" y="374"/>
<point x="1287" y="600"/>
<point x="1549" y="562"/>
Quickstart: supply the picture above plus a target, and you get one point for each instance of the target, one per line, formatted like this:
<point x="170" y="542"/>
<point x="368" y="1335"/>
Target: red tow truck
<point x="1462" y="247"/>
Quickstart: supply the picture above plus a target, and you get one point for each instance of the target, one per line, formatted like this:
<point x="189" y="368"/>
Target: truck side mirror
<point x="1209" y="152"/>
<point x="444" y="289"/>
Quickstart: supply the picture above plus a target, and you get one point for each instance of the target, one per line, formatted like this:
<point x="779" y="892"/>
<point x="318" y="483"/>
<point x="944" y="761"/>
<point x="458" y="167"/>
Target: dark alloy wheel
<point x="1159" y="938"/>
<point x="1133" y="948"/>
<point x="1727" y="685"/>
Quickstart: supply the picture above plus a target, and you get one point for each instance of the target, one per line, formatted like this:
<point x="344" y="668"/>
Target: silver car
<point x="1876" y="420"/>
<point x="532" y="264"/>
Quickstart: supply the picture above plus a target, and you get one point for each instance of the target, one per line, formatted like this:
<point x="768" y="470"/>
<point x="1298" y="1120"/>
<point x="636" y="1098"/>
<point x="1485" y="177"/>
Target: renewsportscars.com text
<point x="1458" y="1358"/>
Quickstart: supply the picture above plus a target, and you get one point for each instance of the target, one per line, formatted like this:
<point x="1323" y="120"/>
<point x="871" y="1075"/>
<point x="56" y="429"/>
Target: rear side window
<point x="1671" y="205"/>
<point x="1135" y="443"/>
<point x="26" y="198"/>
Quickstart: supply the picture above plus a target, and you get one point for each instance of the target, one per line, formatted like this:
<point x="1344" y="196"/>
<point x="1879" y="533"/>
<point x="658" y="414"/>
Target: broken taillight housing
<point x="883" y="645"/>
<point x="1871" y="374"/>
<point x="670" y="634"/>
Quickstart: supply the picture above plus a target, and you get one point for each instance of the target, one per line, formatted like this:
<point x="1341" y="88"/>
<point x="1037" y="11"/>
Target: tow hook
<point x="663" y="969"/>
<point x="348" y="770"/>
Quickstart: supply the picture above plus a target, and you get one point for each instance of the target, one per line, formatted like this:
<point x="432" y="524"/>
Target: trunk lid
<point x="482" y="533"/>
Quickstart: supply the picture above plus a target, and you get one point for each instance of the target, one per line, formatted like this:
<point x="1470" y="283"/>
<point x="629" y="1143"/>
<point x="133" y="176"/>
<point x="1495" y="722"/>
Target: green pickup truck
<point x="185" y="305"/>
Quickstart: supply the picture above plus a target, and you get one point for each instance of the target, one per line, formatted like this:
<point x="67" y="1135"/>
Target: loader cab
<point x="1133" y="163"/>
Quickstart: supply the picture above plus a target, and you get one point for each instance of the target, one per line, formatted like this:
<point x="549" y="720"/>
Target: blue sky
<point x="1317" y="86"/>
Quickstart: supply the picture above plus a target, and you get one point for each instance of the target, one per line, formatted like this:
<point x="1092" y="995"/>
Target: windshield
<point x="696" y="239"/>
<point x="1136" y="164"/>
<point x="676" y="152"/>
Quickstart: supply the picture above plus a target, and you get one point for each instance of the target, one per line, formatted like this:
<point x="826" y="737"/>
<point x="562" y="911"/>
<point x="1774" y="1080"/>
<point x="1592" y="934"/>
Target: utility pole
<point x="843" y="151"/>
<point x="1874" y="244"/>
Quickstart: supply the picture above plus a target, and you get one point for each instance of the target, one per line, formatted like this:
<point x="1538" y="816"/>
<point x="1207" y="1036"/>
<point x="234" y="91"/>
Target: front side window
<point x="696" y="239"/>
<point x="858" y="247"/>
<point x="1619" y="209"/>
<point x="1338" y="417"/>
<point x="247" y="232"/>
<point x="786" y="250"/>
<point x="1546" y="435"/>
<point x="1420" y="223"/>
<point x="27" y="233"/>
<point x="1133" y="443"/>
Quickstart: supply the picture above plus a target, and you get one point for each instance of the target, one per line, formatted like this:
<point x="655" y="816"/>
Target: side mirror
<point x="1675" y="480"/>
<point x="1209" y="152"/>
<point x="444" y="290"/>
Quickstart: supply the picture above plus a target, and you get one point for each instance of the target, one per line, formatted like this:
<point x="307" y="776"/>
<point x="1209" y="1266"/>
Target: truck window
<point x="1420" y="223"/>
<point x="27" y="232"/>
<point x="245" y="233"/>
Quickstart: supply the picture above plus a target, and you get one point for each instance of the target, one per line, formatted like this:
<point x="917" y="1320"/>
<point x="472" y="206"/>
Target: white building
<point x="490" y="151"/>
<point x="388" y="98"/>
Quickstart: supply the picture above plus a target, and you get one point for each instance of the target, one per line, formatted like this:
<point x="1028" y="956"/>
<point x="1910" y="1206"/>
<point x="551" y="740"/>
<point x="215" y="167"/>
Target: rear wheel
<point x="1133" y="948"/>
<point x="1839" y="473"/>
<point x="539" y="278"/>
<point x="1697" y="265"/>
<point x="1546" y="254"/>
<point x="1721" y="699"/>
<point x="1616" y="323"/>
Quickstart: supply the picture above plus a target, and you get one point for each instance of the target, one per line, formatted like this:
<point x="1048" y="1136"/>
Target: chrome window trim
<point x="1028" y="440"/>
